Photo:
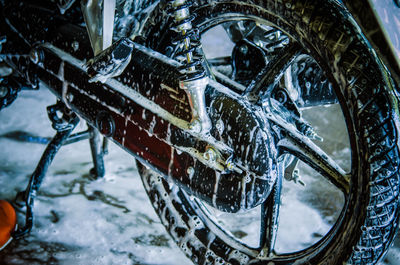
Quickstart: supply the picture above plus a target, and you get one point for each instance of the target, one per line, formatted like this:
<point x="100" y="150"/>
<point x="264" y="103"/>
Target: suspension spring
<point x="195" y="79"/>
<point x="187" y="41"/>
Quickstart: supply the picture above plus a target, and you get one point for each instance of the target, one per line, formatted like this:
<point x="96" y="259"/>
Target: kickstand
<point x="98" y="152"/>
<point x="64" y="126"/>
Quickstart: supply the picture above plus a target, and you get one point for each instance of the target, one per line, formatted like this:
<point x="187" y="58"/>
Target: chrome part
<point x="92" y="14"/>
<point x="99" y="18"/>
<point x="220" y="126"/>
<point x="194" y="89"/>
<point x="296" y="178"/>
<point x="310" y="133"/>
<point x="194" y="81"/>
<point x="190" y="171"/>
<point x="231" y="165"/>
<point x="292" y="173"/>
<point x="210" y="154"/>
<point x="108" y="22"/>
<point x="288" y="80"/>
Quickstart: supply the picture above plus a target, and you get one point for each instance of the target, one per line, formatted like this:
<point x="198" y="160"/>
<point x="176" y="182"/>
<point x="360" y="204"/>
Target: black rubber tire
<point x="368" y="223"/>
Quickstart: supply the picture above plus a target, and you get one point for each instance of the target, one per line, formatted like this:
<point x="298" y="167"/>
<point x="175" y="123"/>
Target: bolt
<point x="281" y="96"/>
<point x="36" y="56"/>
<point x="70" y="97"/>
<point x="220" y="126"/>
<point x="244" y="49"/>
<point x="296" y="178"/>
<point x="75" y="45"/>
<point x="190" y="172"/>
<point x="210" y="155"/>
<point x="229" y="164"/>
<point x="248" y="179"/>
<point x="195" y="126"/>
<point x="310" y="133"/>
<point x="105" y="124"/>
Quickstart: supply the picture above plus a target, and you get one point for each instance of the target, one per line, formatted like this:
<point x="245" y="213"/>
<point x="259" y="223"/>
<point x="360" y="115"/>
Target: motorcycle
<point x="221" y="133"/>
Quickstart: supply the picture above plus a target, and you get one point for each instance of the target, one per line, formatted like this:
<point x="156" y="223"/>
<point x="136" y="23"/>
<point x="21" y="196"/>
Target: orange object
<point x="8" y="221"/>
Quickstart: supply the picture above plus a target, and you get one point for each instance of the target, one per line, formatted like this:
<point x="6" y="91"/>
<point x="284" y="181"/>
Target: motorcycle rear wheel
<point x="368" y="221"/>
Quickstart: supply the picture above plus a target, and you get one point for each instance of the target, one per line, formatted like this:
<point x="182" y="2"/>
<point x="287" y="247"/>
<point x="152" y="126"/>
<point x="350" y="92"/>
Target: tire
<point x="368" y="222"/>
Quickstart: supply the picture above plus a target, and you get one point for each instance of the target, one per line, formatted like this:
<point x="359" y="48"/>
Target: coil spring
<point x="188" y="41"/>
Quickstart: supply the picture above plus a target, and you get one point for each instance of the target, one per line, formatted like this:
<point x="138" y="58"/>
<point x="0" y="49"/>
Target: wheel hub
<point x="254" y="154"/>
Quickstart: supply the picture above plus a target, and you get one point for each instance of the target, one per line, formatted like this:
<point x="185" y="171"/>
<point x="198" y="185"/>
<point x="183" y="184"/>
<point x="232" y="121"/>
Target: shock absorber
<point x="194" y="79"/>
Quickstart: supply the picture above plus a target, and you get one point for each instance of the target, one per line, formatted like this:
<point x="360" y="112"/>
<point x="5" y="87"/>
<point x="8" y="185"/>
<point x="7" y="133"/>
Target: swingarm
<point x="146" y="112"/>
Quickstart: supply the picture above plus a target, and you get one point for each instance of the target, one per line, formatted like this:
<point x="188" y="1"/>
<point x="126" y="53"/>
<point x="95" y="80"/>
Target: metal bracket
<point x="111" y="62"/>
<point x="194" y="89"/>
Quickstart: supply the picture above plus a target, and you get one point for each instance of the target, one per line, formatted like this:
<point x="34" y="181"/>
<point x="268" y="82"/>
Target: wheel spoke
<point x="270" y="219"/>
<point x="218" y="61"/>
<point x="228" y="82"/>
<point x="269" y="76"/>
<point x="296" y="144"/>
<point x="222" y="77"/>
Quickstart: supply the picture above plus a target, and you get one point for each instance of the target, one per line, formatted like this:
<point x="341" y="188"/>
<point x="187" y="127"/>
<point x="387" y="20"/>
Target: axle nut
<point x="105" y="124"/>
<point x="210" y="155"/>
<point x="36" y="56"/>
